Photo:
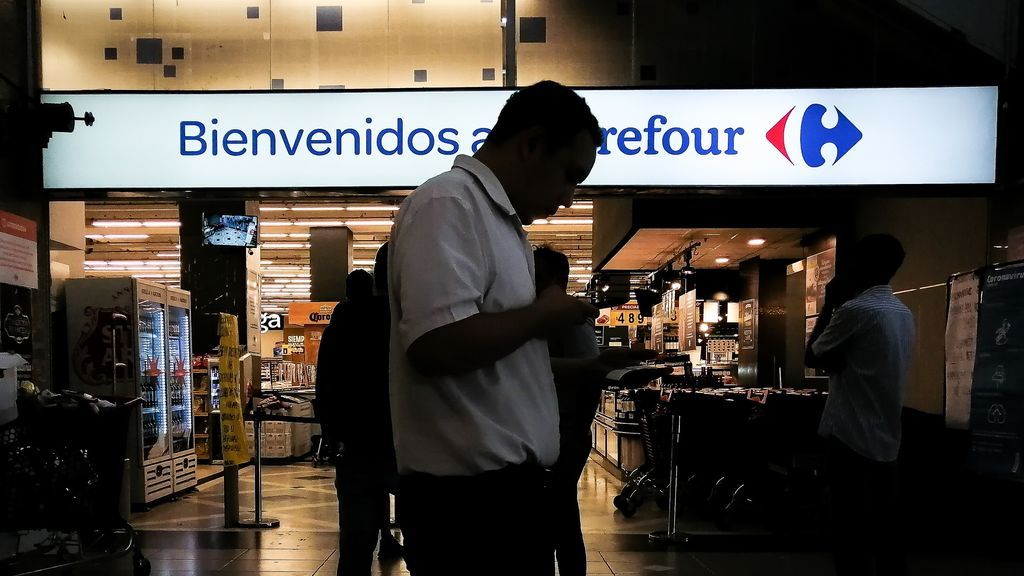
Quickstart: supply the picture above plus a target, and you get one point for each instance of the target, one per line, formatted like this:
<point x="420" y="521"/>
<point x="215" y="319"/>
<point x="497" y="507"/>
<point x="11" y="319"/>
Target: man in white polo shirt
<point x="473" y="399"/>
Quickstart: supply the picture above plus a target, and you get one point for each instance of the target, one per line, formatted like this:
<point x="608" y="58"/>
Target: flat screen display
<point x="229" y="230"/>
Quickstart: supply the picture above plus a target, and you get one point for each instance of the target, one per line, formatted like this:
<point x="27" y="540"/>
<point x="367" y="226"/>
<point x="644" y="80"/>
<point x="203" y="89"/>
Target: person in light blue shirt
<point x="865" y="339"/>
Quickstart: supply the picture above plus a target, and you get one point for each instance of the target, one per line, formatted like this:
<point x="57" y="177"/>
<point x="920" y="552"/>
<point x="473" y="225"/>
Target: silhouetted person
<point x="473" y="398"/>
<point x="577" y="403"/>
<point x="866" y="344"/>
<point x="355" y="414"/>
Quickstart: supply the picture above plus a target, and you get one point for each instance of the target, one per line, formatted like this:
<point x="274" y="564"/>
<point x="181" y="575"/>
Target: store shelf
<point x="201" y="371"/>
<point x="151" y="410"/>
<point x="202" y="435"/>
<point x="200" y="414"/>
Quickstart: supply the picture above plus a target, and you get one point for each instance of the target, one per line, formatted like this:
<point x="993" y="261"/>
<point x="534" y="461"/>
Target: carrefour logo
<point x="814" y="135"/>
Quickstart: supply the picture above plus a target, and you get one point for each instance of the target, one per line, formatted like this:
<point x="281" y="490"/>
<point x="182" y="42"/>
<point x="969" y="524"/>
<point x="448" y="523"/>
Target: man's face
<point x="551" y="177"/>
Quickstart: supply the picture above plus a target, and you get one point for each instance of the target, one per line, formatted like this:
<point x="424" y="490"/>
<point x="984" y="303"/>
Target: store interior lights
<point x="117" y="236"/>
<point x="675" y="281"/>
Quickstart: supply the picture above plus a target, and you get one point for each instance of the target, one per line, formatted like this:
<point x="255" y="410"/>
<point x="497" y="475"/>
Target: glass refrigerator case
<point x="125" y="337"/>
<point x="153" y="376"/>
<point x="117" y="346"/>
<point x="179" y="365"/>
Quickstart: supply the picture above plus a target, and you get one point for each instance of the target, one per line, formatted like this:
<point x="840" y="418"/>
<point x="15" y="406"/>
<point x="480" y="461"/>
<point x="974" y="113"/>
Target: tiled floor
<point x="188" y="537"/>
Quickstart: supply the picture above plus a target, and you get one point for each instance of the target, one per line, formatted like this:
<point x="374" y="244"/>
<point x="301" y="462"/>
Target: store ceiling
<point x="652" y="248"/>
<point x="142" y="239"/>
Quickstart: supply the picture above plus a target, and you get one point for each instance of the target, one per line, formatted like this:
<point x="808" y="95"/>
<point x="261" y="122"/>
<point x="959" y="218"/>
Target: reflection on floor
<point x="188" y="537"/>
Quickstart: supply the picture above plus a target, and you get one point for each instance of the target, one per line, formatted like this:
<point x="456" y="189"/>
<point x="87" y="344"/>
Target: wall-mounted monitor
<point x="230" y="230"/>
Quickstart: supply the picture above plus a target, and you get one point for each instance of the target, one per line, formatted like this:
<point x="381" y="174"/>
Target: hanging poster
<point x="232" y="426"/>
<point x="997" y="398"/>
<point x="748" y="312"/>
<point x="688" y="325"/>
<point x="18" y="251"/>
<point x="252" y="311"/>
<point x="821" y="268"/>
<point x="961" y="347"/>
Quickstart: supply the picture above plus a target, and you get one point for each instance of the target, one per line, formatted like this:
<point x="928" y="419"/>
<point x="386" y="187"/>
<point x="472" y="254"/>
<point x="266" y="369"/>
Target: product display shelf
<point x="201" y="410"/>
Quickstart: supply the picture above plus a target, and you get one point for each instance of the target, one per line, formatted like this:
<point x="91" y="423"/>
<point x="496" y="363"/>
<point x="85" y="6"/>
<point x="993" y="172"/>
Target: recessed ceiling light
<point x="721" y="260"/>
<point x="756" y="242"/>
<point x="372" y="208"/>
<point x="116" y="224"/>
<point x="369" y="223"/>
<point x="572" y="221"/>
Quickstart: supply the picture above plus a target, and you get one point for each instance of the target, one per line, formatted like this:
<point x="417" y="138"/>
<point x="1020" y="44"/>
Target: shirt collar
<point x="489" y="181"/>
<point x="880" y="289"/>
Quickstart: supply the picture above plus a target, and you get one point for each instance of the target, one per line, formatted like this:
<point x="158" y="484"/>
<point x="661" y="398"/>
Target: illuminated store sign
<point x="651" y="138"/>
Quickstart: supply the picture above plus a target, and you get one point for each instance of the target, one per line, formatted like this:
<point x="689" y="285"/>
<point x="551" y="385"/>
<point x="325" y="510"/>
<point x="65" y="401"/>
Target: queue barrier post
<point x="258" y="521"/>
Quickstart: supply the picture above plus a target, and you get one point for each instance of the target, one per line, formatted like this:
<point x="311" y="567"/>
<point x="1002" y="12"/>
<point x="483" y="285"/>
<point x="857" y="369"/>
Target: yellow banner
<point x="232" y="425"/>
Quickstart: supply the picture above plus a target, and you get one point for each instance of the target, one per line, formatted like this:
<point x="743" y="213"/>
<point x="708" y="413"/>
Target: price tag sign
<point x="627" y="315"/>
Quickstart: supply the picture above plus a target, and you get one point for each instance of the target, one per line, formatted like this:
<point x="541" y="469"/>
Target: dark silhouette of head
<point x="552" y="268"/>
<point x="876" y="258"/>
<point x="542" y="146"/>
<point x="359" y="286"/>
<point x="380" y="270"/>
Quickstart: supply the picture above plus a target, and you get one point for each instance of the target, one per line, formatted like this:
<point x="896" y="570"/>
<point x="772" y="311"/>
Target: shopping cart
<point x="651" y="478"/>
<point x="61" y="470"/>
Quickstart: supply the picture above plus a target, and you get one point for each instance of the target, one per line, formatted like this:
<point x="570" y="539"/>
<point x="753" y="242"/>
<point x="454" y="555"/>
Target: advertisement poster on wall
<point x="997" y="398"/>
<point x="961" y="347"/>
<point x="252" y="312"/>
<point x="18" y="251"/>
<point x="820" y="268"/>
<point x="748" y="313"/>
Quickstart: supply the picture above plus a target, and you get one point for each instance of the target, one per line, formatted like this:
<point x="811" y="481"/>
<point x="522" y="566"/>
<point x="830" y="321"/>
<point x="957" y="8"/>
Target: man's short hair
<point x="358" y="285"/>
<point x="561" y="112"/>
<point x="551" y="268"/>
<point x="880" y="256"/>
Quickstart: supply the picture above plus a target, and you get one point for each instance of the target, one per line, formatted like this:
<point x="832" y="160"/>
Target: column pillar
<point x="330" y="261"/>
<point x="220" y="278"/>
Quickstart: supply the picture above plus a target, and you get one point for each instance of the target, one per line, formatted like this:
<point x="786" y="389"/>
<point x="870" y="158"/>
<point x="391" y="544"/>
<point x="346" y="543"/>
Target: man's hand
<point x="557" y="309"/>
<point x="837" y="292"/>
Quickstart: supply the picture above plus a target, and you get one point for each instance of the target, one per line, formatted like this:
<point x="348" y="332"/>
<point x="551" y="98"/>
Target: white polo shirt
<point x="458" y="249"/>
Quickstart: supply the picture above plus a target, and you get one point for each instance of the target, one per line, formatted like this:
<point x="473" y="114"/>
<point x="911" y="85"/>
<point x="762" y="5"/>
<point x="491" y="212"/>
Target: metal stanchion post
<point x="672" y="535"/>
<point x="258" y="521"/>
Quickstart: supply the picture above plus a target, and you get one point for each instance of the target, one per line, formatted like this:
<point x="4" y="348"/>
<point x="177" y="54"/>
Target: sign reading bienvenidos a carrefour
<point x="650" y="137"/>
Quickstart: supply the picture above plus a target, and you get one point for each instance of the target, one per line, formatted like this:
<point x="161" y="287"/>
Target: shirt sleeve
<point x="439" y="267"/>
<point x="844" y="325"/>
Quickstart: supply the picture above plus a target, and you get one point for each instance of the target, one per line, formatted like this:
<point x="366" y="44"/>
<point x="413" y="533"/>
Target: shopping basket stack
<point x="61" y="470"/>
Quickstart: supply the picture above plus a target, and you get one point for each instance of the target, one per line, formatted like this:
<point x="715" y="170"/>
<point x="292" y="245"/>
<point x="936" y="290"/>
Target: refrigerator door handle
<point x="117" y="317"/>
